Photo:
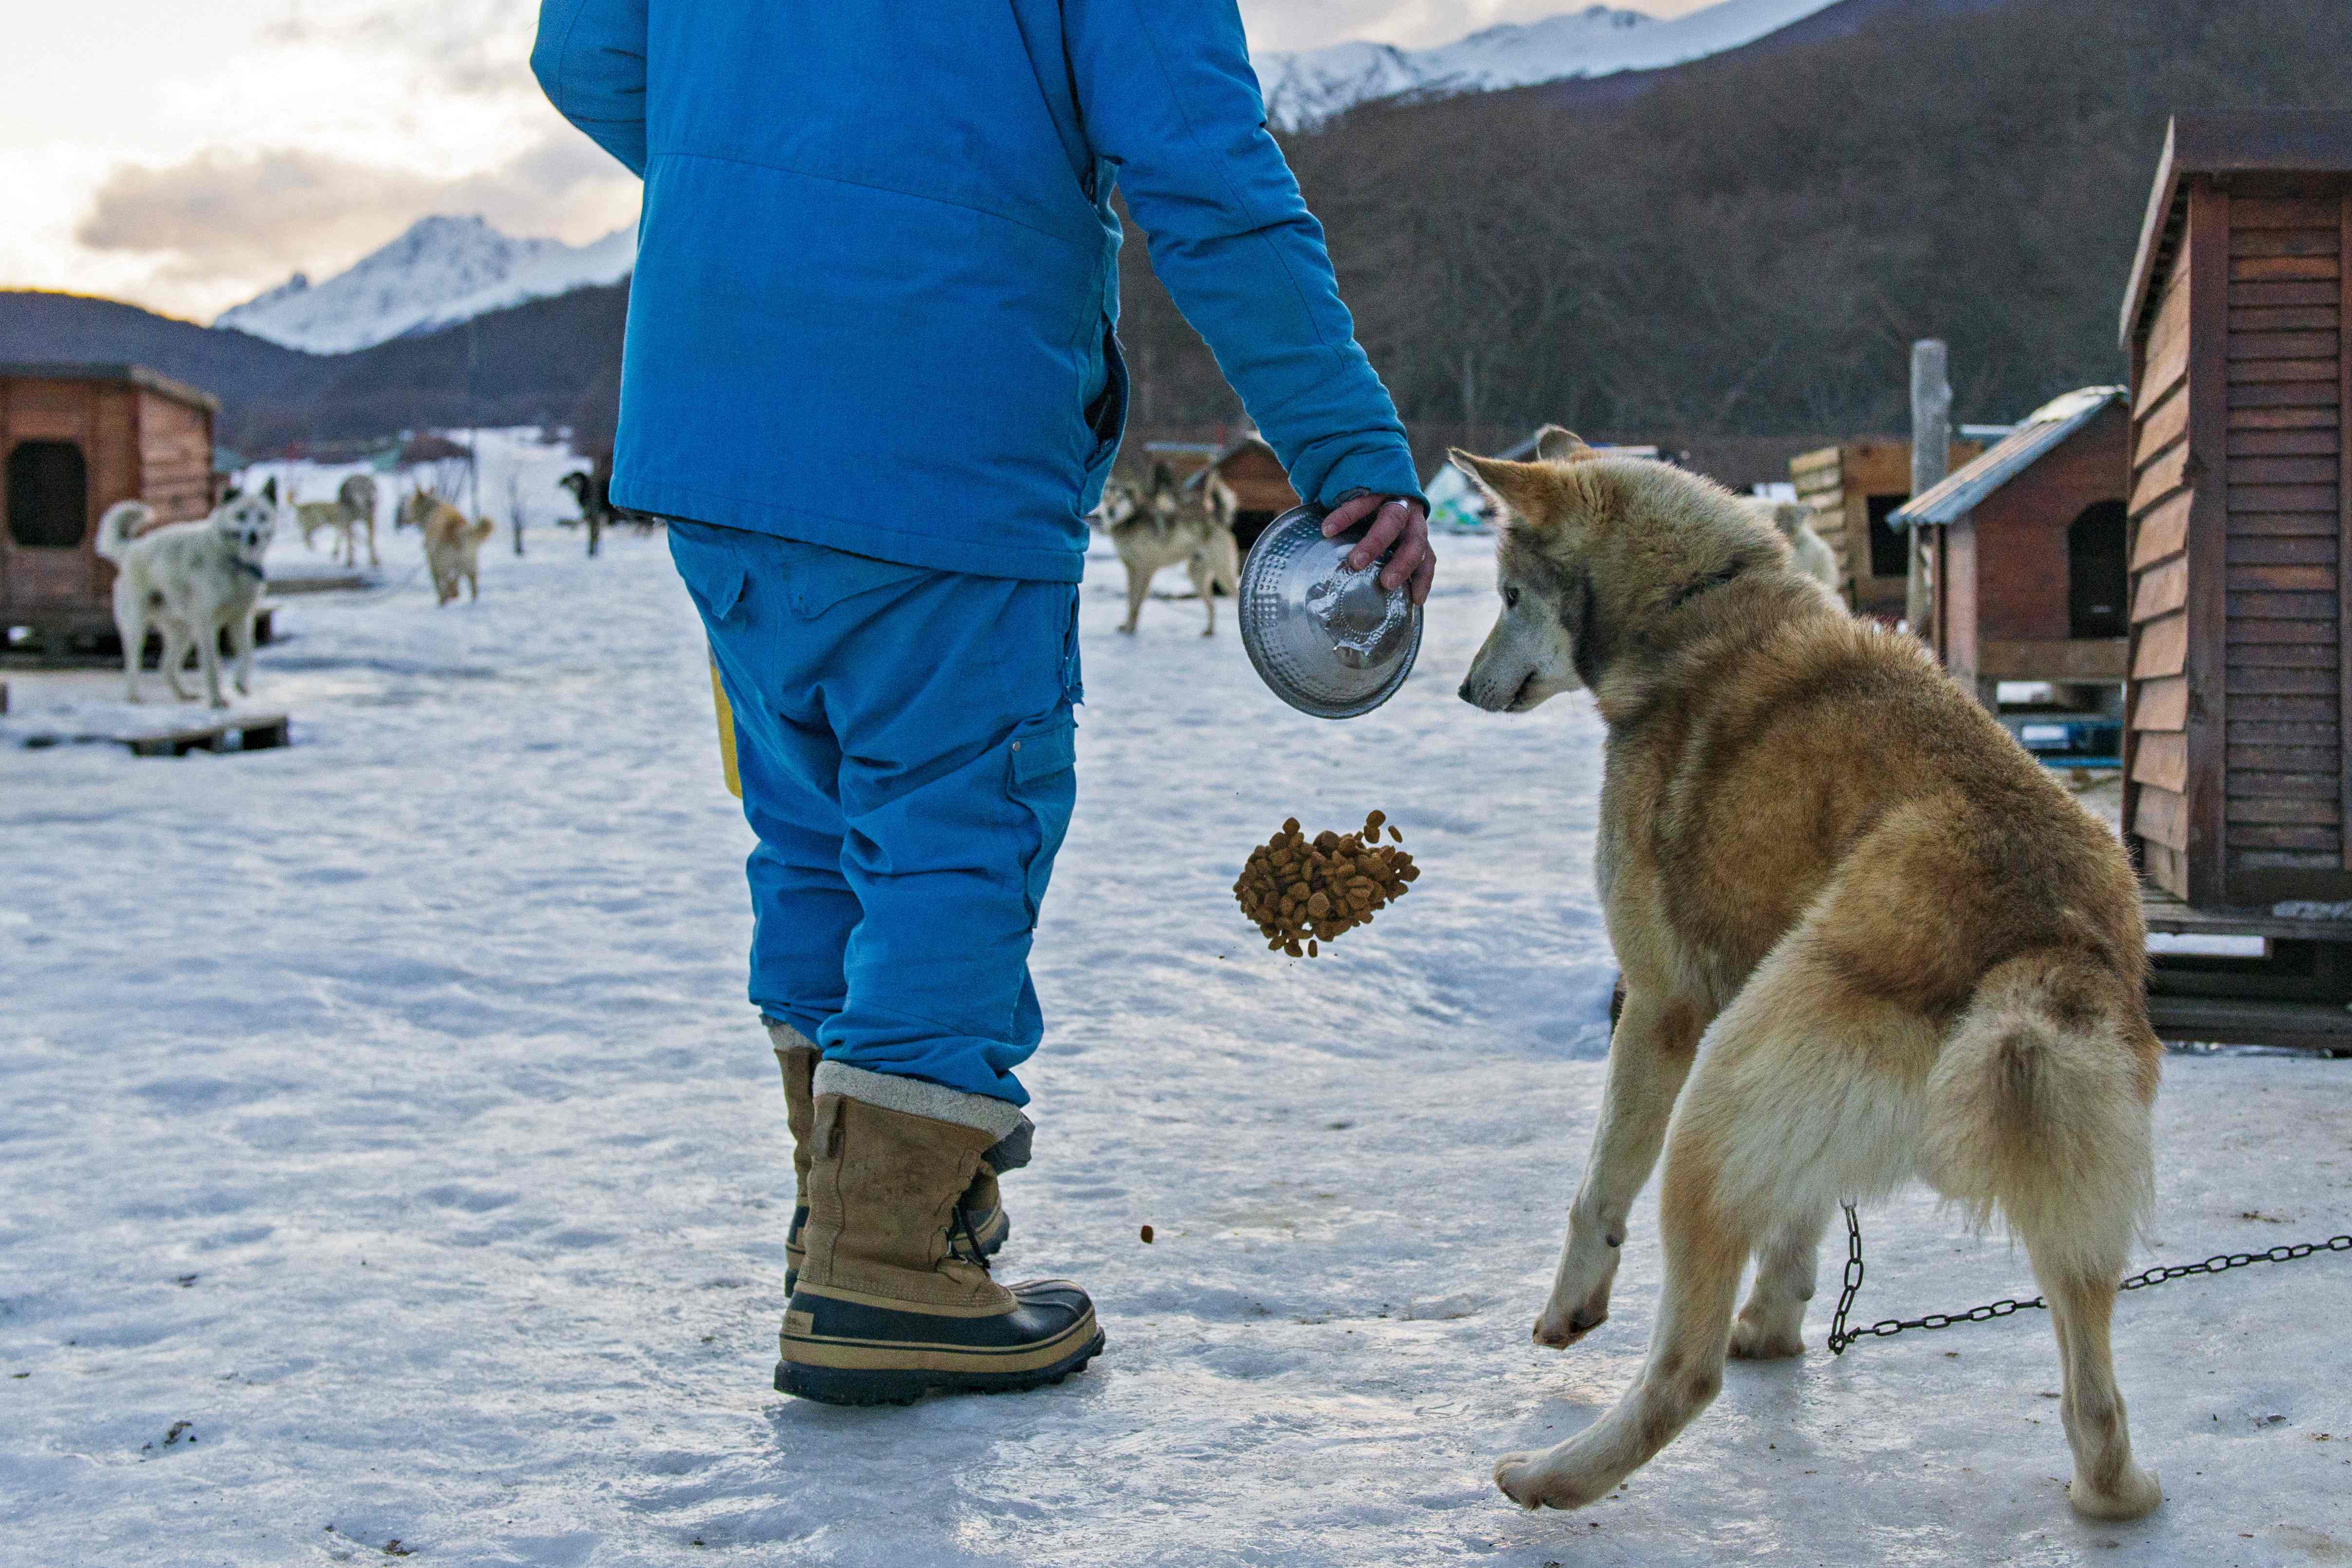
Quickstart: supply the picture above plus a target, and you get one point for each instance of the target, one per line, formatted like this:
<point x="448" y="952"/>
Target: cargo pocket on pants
<point x="1043" y="768"/>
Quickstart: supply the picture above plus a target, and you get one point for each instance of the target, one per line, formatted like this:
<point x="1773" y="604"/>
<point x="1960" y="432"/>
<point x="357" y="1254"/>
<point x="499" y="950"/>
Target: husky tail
<point x="2038" y="1109"/>
<point x="124" y="521"/>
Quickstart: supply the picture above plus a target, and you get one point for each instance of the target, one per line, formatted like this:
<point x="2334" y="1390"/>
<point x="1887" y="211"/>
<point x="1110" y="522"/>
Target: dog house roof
<point x="128" y="375"/>
<point x="2044" y="429"/>
<point x="2264" y="140"/>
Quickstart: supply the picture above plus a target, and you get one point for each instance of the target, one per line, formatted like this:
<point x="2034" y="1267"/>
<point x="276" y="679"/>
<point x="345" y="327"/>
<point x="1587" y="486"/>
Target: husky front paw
<point x="1559" y="1329"/>
<point x="1538" y="1481"/>
<point x="2135" y="1493"/>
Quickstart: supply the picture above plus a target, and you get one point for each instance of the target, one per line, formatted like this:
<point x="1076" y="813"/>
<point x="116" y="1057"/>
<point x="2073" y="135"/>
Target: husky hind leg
<point x="131" y="628"/>
<point x="2039" y="1110"/>
<point x="1772" y="1323"/>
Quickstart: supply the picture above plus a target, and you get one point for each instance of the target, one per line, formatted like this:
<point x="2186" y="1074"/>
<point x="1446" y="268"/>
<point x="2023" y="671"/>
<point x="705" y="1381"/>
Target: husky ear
<point x="1526" y="488"/>
<point x="269" y="489"/>
<point x="1556" y="445"/>
<point x="1791" y="515"/>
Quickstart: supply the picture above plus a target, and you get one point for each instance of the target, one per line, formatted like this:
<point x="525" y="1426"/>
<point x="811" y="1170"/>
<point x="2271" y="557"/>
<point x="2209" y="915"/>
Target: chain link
<point x="1841" y="1336"/>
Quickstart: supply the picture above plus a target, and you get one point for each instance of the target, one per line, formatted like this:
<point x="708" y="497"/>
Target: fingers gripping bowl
<point x="1328" y="641"/>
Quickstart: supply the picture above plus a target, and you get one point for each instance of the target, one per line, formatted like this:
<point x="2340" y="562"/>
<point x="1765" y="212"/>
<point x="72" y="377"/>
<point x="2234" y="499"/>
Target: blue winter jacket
<point x="877" y="270"/>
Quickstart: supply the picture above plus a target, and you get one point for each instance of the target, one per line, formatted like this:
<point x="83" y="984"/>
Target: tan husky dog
<point x="1877" y="940"/>
<point x="452" y="547"/>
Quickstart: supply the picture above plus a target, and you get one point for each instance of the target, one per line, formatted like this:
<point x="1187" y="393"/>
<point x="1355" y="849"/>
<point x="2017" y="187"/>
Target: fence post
<point x="1931" y="456"/>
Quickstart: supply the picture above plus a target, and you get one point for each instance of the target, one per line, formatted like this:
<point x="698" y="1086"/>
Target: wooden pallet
<point x="2297" y="993"/>
<point x="247" y="732"/>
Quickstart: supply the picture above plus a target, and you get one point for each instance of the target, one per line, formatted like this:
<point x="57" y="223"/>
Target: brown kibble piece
<point x="1311" y="949"/>
<point x="1394" y="835"/>
<point x="1146" y="1234"/>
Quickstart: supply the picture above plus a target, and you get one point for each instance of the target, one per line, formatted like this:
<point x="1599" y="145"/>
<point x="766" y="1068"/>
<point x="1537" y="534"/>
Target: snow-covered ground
<point x="385" y="1109"/>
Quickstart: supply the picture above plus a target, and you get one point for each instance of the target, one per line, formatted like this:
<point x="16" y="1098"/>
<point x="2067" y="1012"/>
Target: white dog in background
<point x="191" y="581"/>
<point x="1794" y="522"/>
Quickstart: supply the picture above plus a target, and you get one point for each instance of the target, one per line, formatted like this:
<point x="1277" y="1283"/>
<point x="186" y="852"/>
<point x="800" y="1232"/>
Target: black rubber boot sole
<point x="895" y="1386"/>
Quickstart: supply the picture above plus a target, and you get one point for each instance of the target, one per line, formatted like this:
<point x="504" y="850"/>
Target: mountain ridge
<point x="1303" y="89"/>
<point x="442" y="269"/>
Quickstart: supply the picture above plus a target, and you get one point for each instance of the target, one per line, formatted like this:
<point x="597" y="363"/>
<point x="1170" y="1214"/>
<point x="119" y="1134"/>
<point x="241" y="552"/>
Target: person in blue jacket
<point x="871" y="372"/>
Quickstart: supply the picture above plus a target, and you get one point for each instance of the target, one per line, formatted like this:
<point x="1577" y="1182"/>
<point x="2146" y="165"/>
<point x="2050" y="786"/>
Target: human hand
<point x="1396" y="520"/>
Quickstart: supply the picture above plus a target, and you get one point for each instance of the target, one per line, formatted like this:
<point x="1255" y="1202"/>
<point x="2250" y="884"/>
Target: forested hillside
<point x="1750" y="246"/>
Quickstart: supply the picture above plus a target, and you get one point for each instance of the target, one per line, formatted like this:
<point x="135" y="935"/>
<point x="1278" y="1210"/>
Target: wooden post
<point x="1931" y="456"/>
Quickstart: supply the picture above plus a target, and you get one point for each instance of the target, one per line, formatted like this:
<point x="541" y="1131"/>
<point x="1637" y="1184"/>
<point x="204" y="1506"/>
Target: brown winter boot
<point x="893" y="1300"/>
<point x="797" y="1055"/>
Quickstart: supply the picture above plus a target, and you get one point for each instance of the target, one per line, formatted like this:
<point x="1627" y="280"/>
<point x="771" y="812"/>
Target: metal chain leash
<point x="1841" y="1336"/>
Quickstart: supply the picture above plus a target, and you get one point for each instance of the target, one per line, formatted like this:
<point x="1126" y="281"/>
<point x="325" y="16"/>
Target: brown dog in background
<point x="452" y="547"/>
<point x="1876" y="937"/>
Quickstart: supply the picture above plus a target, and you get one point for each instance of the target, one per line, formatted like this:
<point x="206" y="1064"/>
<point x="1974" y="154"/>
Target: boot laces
<point x="969" y="1248"/>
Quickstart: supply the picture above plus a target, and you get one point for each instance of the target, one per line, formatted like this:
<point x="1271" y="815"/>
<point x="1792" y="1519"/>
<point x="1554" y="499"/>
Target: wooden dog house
<point x="74" y="440"/>
<point x="2236" y="788"/>
<point x="1853" y="488"/>
<point x="2026" y="550"/>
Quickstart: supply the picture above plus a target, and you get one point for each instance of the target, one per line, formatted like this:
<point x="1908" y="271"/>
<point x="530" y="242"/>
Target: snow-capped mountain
<point x="1309" y="86"/>
<point x="441" y="270"/>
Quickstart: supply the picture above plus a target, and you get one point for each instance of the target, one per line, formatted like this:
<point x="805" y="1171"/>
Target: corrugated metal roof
<point x="1964" y="489"/>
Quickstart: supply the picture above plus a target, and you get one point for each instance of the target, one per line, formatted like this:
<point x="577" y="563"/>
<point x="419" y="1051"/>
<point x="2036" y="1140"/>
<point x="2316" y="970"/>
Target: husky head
<point x="245" y="523"/>
<point x="1119" y="503"/>
<point x="1594" y="551"/>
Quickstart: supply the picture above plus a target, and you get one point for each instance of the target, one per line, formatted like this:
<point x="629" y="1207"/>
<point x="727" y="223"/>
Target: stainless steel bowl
<point x="1328" y="641"/>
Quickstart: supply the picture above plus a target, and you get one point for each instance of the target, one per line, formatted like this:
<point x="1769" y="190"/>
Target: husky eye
<point x="1510" y="599"/>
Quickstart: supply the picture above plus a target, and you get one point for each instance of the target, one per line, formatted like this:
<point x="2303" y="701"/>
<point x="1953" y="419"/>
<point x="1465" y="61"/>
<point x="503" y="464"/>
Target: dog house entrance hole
<point x="49" y="495"/>
<point x="2097" y="581"/>
<point x="1890" y="549"/>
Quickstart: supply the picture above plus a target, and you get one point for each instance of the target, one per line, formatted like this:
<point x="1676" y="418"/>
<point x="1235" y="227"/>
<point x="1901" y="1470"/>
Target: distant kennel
<point x="2025" y="549"/>
<point x="1855" y="488"/>
<point x="2237" y="791"/>
<point x="74" y="440"/>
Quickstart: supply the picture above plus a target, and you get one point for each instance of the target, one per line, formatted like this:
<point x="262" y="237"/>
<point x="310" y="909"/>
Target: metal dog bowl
<point x="1328" y="641"/>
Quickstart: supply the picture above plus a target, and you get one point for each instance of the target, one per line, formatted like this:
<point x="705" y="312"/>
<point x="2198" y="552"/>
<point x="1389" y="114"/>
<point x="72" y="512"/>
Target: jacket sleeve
<point x="591" y="61"/>
<point x="1169" y="99"/>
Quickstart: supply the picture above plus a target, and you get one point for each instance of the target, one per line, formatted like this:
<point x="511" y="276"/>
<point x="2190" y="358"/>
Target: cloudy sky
<point x="187" y="156"/>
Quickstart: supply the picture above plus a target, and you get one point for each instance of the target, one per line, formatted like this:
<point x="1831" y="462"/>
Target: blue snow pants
<point x="906" y="742"/>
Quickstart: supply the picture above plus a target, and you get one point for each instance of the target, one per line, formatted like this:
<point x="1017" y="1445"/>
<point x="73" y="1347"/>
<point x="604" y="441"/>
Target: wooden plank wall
<point x="175" y="457"/>
<point x="2162" y="497"/>
<point x="2285" y="769"/>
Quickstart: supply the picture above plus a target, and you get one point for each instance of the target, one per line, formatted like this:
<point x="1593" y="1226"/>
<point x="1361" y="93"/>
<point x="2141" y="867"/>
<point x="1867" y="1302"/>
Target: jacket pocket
<point x="1042" y="770"/>
<point x="1106" y="415"/>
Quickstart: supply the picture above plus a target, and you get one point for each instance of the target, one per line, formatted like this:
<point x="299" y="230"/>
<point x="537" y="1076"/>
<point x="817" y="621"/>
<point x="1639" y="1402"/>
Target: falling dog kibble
<point x="1301" y="891"/>
<point x="1147" y="1236"/>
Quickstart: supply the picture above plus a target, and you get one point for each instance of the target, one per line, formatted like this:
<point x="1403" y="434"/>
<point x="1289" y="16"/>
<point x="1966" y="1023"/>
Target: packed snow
<point x="390" y="1156"/>
<point x="440" y="271"/>
<point x="1311" y="85"/>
